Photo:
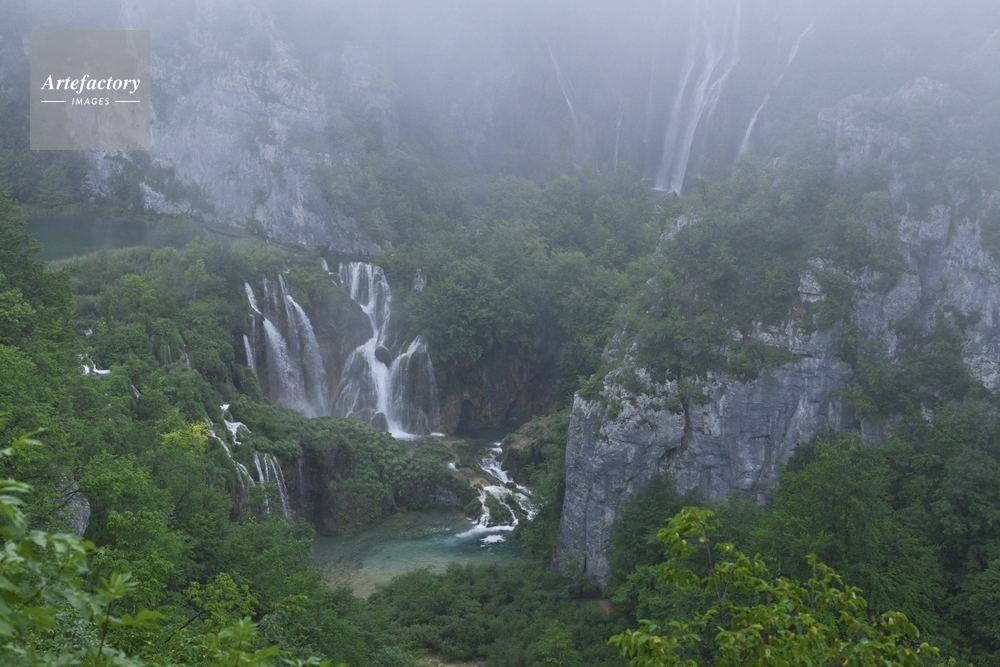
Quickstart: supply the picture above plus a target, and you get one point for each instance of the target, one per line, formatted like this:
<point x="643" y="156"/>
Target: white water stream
<point x="794" y="51"/>
<point x="266" y="465"/>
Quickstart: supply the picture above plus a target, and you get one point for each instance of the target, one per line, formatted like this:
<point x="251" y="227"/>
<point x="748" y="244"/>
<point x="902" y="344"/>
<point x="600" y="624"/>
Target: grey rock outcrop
<point x="735" y="441"/>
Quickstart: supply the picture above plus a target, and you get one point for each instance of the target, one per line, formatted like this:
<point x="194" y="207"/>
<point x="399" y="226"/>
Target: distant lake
<point x="75" y="234"/>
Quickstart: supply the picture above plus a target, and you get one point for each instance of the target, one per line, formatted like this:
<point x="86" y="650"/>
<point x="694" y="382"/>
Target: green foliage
<point x="50" y="616"/>
<point x="634" y="543"/>
<point x="506" y="616"/>
<point x="753" y="619"/>
<point x="734" y="262"/>
<point x="928" y="370"/>
<point x="535" y="273"/>
<point x="839" y="507"/>
<point x="535" y="456"/>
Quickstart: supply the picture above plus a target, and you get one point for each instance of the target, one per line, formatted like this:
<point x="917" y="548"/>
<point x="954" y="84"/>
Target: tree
<point x="763" y="621"/>
<point x="49" y="615"/>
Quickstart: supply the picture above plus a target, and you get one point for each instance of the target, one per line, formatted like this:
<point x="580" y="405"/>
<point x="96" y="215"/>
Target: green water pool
<point x="421" y="539"/>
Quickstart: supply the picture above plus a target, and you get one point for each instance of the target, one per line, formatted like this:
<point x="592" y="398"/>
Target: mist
<point x="672" y="90"/>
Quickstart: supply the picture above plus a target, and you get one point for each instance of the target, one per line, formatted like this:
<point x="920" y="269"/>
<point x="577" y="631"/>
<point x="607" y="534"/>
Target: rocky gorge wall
<point x="737" y="439"/>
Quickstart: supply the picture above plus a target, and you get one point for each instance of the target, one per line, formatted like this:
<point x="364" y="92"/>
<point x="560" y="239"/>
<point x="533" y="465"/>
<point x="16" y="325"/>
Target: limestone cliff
<point x="237" y="128"/>
<point x="738" y="436"/>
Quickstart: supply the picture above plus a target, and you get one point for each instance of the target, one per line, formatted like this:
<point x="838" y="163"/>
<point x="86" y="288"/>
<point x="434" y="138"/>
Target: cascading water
<point x="244" y="480"/>
<point x="251" y="354"/>
<point x="572" y="112"/>
<point x="794" y="51"/>
<point x="266" y="465"/>
<point x="293" y="365"/>
<point x="712" y="54"/>
<point x="510" y="495"/>
<point x="305" y="348"/>
<point x="398" y="395"/>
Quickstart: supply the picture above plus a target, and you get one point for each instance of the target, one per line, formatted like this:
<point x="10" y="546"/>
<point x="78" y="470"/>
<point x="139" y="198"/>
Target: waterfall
<point x="260" y="476"/>
<point x="275" y="475"/>
<point x="712" y="54"/>
<point x="243" y="478"/>
<point x="411" y="376"/>
<point x="396" y="392"/>
<point x="794" y="51"/>
<point x="516" y="500"/>
<point x="251" y="361"/>
<point x="305" y="348"/>
<point x="267" y="466"/>
<point x="572" y="112"/>
<point x="293" y="365"/>
<point x="398" y="395"/>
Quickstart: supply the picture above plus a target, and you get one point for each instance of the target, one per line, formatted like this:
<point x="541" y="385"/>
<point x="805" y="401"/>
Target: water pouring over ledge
<point x="395" y="392"/>
<point x="293" y="363"/>
<point x="397" y="395"/>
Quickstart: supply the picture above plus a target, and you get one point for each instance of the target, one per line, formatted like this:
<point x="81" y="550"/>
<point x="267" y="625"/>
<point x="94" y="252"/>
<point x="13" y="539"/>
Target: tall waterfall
<point x="293" y="362"/>
<point x="712" y="54"/>
<point x="794" y="51"/>
<point x="572" y="112"/>
<point x="398" y="395"/>
<point x="396" y="392"/>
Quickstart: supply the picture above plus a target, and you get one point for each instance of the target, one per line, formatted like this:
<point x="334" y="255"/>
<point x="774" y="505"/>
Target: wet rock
<point x="383" y="355"/>
<point x="380" y="422"/>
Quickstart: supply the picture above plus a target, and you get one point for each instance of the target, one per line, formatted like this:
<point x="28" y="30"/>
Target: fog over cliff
<point x="252" y="98"/>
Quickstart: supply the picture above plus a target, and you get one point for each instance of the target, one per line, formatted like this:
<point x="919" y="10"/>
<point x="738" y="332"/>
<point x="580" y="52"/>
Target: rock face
<point x="743" y="432"/>
<point x="237" y="130"/>
<point x="734" y="442"/>
<point x="250" y="96"/>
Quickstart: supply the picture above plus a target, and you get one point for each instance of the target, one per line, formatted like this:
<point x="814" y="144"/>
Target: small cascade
<point x="513" y="497"/>
<point x="293" y="362"/>
<point x="712" y="54"/>
<point x="260" y="476"/>
<point x="410" y="376"/>
<point x="272" y="473"/>
<point x="244" y="480"/>
<point x="267" y="466"/>
<point x="90" y="368"/>
<point x="794" y="51"/>
<point x="251" y="354"/>
<point x="397" y="395"/>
